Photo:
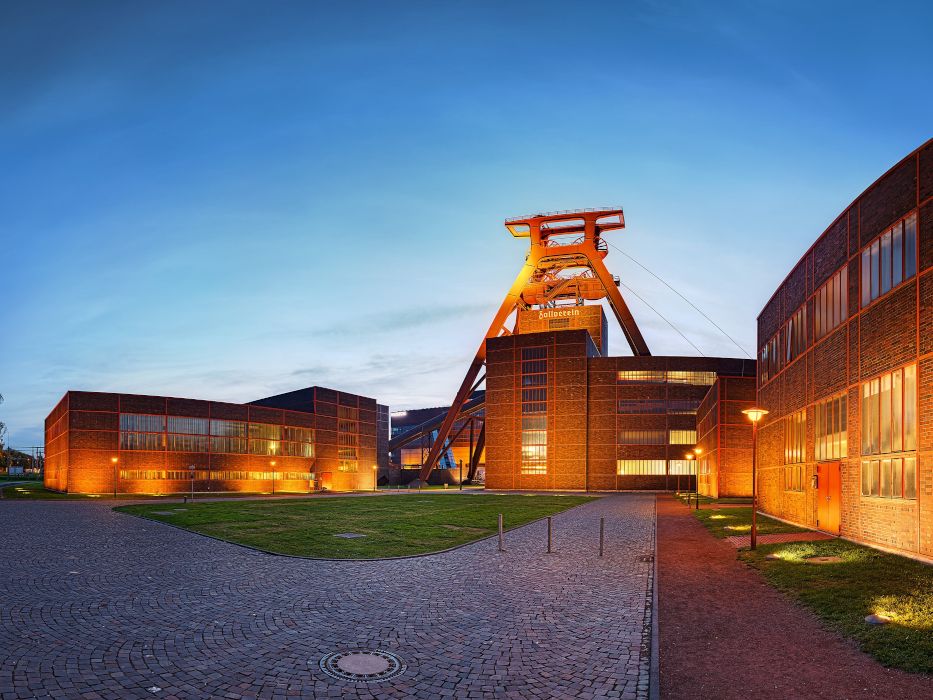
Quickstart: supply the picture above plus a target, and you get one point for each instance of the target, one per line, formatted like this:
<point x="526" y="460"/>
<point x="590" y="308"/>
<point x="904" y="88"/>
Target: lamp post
<point x="272" y="464"/>
<point x="755" y="415"/>
<point x="690" y="457"/>
<point x="113" y="461"/>
<point x="375" y="476"/>
<point x="696" y="475"/>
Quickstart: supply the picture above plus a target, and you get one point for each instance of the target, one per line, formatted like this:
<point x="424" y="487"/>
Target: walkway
<point x="99" y="604"/>
<point x="726" y="634"/>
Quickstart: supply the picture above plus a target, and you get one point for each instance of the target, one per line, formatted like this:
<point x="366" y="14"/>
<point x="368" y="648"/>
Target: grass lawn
<point x="393" y="525"/>
<point x="35" y="490"/>
<point x="866" y="581"/>
<point x="727" y="522"/>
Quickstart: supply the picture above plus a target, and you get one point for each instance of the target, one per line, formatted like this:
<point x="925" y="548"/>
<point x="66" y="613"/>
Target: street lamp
<point x="272" y="464"/>
<point x="113" y="461"/>
<point x="696" y="475"/>
<point x="755" y="415"/>
<point x="375" y="476"/>
<point x="690" y="457"/>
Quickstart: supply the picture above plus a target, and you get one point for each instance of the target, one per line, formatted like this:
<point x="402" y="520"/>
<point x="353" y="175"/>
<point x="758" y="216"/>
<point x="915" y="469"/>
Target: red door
<point x="829" y="497"/>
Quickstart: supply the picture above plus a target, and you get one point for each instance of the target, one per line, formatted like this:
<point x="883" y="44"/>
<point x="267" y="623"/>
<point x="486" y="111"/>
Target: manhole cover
<point x="349" y="535"/>
<point x="362" y="666"/>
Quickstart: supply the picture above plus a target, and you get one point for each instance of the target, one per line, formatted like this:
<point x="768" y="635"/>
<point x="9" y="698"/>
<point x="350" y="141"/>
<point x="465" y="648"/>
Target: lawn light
<point x="755" y="415"/>
<point x="113" y="461"/>
<point x="375" y="476"/>
<point x="272" y="464"/>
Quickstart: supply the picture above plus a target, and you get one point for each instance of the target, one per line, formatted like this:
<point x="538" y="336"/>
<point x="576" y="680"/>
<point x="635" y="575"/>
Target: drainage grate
<point x="362" y="666"/>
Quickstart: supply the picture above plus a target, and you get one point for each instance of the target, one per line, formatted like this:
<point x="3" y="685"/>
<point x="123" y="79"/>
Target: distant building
<point x="561" y="416"/>
<point x="294" y="442"/>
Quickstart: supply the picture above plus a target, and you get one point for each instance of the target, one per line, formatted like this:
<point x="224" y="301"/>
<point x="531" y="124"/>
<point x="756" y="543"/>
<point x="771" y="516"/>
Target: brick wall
<point x="895" y="330"/>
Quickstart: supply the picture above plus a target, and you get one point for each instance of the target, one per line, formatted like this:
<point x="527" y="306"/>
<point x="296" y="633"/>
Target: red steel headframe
<point x="548" y="254"/>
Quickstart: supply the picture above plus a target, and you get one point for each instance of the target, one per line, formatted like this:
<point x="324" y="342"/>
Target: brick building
<point x="559" y="415"/>
<point x="295" y="442"/>
<point x="724" y="434"/>
<point x="845" y="368"/>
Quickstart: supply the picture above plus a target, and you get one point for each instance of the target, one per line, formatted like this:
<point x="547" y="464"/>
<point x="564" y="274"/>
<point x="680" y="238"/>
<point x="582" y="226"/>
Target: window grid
<point x="534" y="396"/>
<point x="683" y="437"/>
<point x="831" y="305"/>
<point x="830" y="431"/>
<point x="795" y="437"/>
<point x="889" y="412"/>
<point x="894" y="477"/>
<point x="889" y="260"/>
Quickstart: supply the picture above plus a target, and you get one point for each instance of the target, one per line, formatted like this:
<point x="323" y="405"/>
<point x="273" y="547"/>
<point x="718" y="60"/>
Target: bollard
<point x="501" y="543"/>
<point x="549" y="534"/>
<point x="602" y="527"/>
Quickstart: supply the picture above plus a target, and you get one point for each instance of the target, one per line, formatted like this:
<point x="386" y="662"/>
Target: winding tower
<point x="564" y="267"/>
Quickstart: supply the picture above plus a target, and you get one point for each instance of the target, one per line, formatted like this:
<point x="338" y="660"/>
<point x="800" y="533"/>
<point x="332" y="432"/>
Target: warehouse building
<point x="559" y="415"/>
<point x="845" y="367"/>
<point x="297" y="442"/>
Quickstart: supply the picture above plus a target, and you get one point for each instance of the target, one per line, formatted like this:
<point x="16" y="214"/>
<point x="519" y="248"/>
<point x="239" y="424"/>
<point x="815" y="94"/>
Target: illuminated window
<point x="894" y="477"/>
<point x="142" y="441"/>
<point x="188" y="426"/>
<point x="645" y="376"/>
<point x="795" y="336"/>
<point x="795" y="437"/>
<point x="692" y="377"/>
<point x="831" y="305"/>
<point x="830" y="417"/>
<point x="347" y="465"/>
<point x="889" y="412"/>
<point x="793" y="478"/>
<point x="889" y="260"/>
<point x="683" y="437"/>
<point x="265" y="431"/>
<point x="142" y="423"/>
<point x="680" y="466"/>
<point x="186" y="443"/>
<point x="534" y="411"/>
<point x="641" y="467"/>
<point x="228" y="445"/>
<point x="228" y="428"/>
<point x="626" y="406"/>
<point x="264" y="447"/>
<point x="642" y="437"/>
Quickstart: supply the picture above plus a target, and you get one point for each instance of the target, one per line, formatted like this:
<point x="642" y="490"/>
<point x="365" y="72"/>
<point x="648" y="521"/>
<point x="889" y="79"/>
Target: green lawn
<point x="393" y="525"/>
<point x="35" y="490"/>
<point x="866" y="581"/>
<point x="726" y="522"/>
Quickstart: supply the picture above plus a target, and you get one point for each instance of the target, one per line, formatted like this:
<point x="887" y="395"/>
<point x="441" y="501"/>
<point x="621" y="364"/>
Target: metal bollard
<point x="602" y="528"/>
<point x="549" y="534"/>
<point x="501" y="543"/>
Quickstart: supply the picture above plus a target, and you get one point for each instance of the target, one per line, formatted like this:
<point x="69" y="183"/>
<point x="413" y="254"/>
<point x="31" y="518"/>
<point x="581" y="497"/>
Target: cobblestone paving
<point x="98" y="604"/>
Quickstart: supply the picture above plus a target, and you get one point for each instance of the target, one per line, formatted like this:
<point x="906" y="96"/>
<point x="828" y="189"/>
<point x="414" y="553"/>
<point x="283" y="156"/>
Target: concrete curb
<point x="358" y="560"/>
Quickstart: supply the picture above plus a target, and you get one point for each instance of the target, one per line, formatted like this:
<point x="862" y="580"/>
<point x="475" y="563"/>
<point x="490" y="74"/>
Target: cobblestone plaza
<point x="100" y="604"/>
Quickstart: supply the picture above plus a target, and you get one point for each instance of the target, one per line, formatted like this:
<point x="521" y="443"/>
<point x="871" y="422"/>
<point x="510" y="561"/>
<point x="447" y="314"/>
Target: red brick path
<point x="725" y="633"/>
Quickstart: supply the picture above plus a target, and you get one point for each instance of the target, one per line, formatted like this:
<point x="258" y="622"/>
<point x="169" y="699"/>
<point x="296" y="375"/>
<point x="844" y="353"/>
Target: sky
<point x="227" y="200"/>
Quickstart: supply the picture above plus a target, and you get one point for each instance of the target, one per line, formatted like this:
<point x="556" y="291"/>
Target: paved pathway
<point x="727" y="634"/>
<point x="98" y="604"/>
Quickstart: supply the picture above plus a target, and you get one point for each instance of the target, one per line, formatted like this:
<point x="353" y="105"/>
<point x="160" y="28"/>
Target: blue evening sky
<point x="225" y="200"/>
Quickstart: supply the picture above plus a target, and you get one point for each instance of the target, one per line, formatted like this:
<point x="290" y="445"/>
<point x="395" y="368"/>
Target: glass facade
<point x="185" y="434"/>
